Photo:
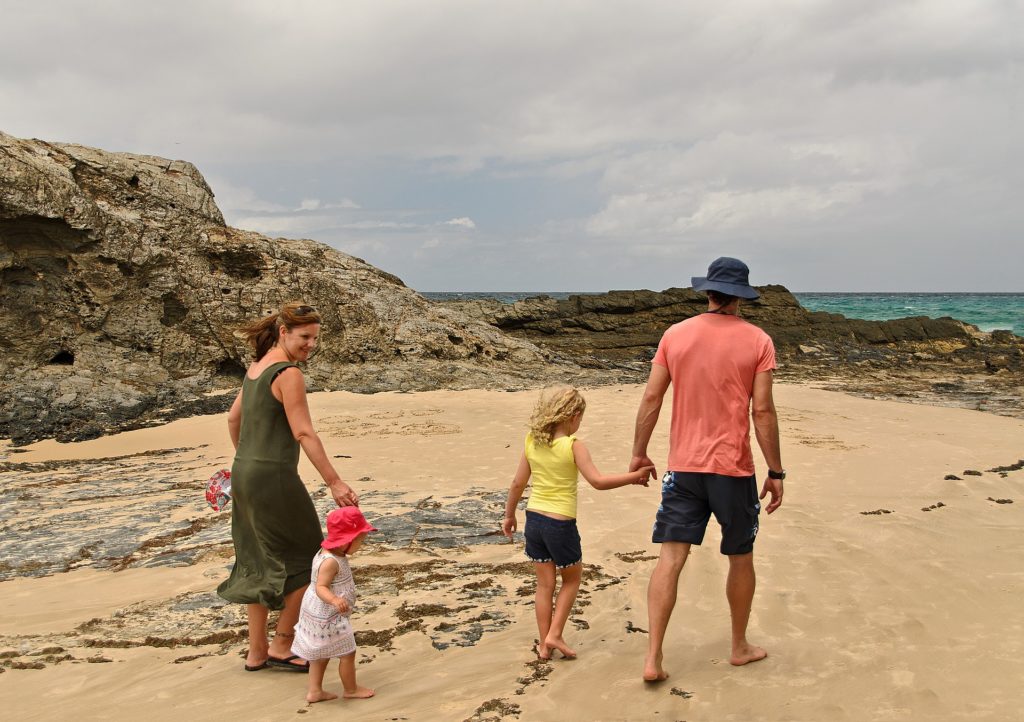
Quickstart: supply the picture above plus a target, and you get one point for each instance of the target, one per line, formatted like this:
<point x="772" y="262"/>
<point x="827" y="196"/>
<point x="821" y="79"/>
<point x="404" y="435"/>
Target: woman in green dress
<point x="274" y="525"/>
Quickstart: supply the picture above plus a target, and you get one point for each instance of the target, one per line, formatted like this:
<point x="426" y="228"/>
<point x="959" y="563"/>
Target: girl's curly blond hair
<point x="554" y="406"/>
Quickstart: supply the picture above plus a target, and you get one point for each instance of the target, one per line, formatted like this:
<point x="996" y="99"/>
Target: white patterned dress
<point x="322" y="632"/>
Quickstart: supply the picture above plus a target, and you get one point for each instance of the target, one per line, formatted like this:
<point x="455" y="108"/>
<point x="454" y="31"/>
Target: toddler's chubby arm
<point x="515" y="493"/>
<point x="324" y="577"/>
<point x="606" y="481"/>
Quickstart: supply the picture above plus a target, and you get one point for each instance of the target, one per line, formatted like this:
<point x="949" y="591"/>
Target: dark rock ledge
<point x="941" y="361"/>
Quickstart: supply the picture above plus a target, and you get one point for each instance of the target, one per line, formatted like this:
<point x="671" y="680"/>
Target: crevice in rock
<point x="62" y="358"/>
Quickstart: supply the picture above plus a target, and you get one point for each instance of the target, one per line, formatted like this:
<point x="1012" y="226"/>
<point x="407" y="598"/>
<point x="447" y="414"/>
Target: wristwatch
<point x="780" y="475"/>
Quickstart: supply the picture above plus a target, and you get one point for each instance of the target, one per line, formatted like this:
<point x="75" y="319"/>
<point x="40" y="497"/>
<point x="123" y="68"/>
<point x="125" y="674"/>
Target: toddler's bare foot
<point x="745" y="654"/>
<point x="559" y="644"/>
<point x="321" y="696"/>
<point x="359" y="693"/>
<point x="653" y="671"/>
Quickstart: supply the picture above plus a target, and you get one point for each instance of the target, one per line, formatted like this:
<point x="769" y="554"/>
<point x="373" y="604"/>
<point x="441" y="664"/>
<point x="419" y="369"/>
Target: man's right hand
<point x="644" y="474"/>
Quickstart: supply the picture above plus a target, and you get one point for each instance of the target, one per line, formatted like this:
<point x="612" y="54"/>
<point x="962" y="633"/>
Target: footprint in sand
<point x="825" y="441"/>
<point x="429" y="428"/>
<point x="386" y="415"/>
<point x="425" y="412"/>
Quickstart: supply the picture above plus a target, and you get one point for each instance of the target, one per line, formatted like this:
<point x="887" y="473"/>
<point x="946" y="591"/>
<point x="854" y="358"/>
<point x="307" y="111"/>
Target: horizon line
<point x="979" y="293"/>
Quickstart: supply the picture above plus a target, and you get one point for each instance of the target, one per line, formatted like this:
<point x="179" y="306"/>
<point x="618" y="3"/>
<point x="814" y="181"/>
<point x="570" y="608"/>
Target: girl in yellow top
<point x="552" y="458"/>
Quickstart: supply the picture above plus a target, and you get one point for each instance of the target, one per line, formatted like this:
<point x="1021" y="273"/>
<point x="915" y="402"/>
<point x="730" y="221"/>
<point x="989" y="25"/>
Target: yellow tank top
<point x="553" y="474"/>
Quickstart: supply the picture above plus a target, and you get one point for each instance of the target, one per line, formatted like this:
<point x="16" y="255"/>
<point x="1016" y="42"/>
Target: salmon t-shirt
<point x="712" y="360"/>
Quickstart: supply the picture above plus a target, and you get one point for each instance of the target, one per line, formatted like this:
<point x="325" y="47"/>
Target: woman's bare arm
<point x="292" y="387"/>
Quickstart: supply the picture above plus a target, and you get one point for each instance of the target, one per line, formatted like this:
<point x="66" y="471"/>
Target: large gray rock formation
<point x="121" y="291"/>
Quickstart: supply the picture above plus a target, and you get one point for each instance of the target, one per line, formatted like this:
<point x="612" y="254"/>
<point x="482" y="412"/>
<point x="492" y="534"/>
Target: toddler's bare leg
<point x="315" y="692"/>
<point x="347" y="672"/>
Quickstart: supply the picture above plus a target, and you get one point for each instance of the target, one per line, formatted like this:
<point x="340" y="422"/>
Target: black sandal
<point x="286" y="663"/>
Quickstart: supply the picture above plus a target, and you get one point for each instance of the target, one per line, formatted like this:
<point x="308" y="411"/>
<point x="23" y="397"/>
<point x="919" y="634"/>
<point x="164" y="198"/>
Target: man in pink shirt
<point x="717" y="364"/>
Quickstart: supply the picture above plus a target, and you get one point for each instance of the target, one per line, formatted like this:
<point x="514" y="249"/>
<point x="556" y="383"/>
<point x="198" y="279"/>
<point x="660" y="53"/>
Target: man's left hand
<point x="773" y="487"/>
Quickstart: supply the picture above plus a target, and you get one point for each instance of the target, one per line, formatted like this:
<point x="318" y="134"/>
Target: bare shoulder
<point x="291" y="375"/>
<point x="578" y="447"/>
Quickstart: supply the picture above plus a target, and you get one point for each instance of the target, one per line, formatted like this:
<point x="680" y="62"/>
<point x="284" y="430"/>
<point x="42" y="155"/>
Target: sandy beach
<point x="886" y="590"/>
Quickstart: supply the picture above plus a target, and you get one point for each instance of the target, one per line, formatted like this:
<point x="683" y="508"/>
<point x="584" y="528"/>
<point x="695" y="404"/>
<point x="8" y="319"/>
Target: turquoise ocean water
<point x="987" y="311"/>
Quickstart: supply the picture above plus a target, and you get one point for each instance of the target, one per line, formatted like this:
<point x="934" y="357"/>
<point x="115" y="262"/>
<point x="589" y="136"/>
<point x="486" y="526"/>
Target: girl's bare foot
<point x="746" y="654"/>
<point x="543" y="652"/>
<point x="321" y="696"/>
<point x="653" y="671"/>
<point x="359" y="693"/>
<point x="559" y="644"/>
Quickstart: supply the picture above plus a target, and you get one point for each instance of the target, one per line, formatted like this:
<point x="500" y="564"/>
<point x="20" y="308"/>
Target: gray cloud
<point x="835" y="146"/>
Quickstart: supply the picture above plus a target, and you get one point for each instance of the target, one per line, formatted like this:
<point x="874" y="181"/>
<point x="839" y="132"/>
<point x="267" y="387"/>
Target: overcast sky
<point x="863" y="145"/>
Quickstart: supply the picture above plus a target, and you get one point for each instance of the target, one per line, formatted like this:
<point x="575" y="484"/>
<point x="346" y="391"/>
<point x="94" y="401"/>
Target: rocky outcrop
<point x="121" y="291"/>
<point x="937" y="360"/>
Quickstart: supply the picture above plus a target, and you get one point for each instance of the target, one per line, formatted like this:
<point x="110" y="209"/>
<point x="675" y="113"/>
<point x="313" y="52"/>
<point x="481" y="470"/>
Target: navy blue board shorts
<point x="552" y="540"/>
<point x="688" y="499"/>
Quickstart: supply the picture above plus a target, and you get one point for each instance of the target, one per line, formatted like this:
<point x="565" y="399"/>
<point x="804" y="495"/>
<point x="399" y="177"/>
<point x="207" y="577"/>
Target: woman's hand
<point x="343" y="494"/>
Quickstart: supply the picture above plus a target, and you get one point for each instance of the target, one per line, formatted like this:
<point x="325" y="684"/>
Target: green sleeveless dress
<point x="274" y="525"/>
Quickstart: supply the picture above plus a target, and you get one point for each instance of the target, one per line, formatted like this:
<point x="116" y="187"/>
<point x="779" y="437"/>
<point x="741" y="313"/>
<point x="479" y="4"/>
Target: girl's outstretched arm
<point x="324" y="577"/>
<point x="606" y="481"/>
<point x="515" y="493"/>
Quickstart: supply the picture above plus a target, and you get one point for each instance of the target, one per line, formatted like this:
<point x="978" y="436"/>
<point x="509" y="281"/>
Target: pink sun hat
<point x="343" y="525"/>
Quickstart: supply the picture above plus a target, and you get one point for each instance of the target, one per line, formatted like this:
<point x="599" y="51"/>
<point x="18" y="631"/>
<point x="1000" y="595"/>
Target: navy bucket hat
<point x="726" y="275"/>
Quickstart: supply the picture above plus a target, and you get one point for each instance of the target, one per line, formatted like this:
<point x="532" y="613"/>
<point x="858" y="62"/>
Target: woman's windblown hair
<point x="555" y="406"/>
<point x="263" y="334"/>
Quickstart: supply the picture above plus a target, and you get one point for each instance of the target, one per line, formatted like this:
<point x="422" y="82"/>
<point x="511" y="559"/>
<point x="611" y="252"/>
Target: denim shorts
<point x="688" y="499"/>
<point x="552" y="540"/>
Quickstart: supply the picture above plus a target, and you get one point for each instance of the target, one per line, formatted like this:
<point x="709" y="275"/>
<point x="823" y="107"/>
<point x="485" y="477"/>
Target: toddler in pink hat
<point x="324" y="629"/>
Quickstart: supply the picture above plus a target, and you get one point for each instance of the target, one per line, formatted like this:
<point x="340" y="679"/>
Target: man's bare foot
<point x="559" y="644"/>
<point x="321" y="696"/>
<point x="359" y="693"/>
<point x="653" y="671"/>
<point x="746" y="654"/>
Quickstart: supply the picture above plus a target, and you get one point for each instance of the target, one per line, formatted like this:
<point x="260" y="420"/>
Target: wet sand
<point x="886" y="590"/>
